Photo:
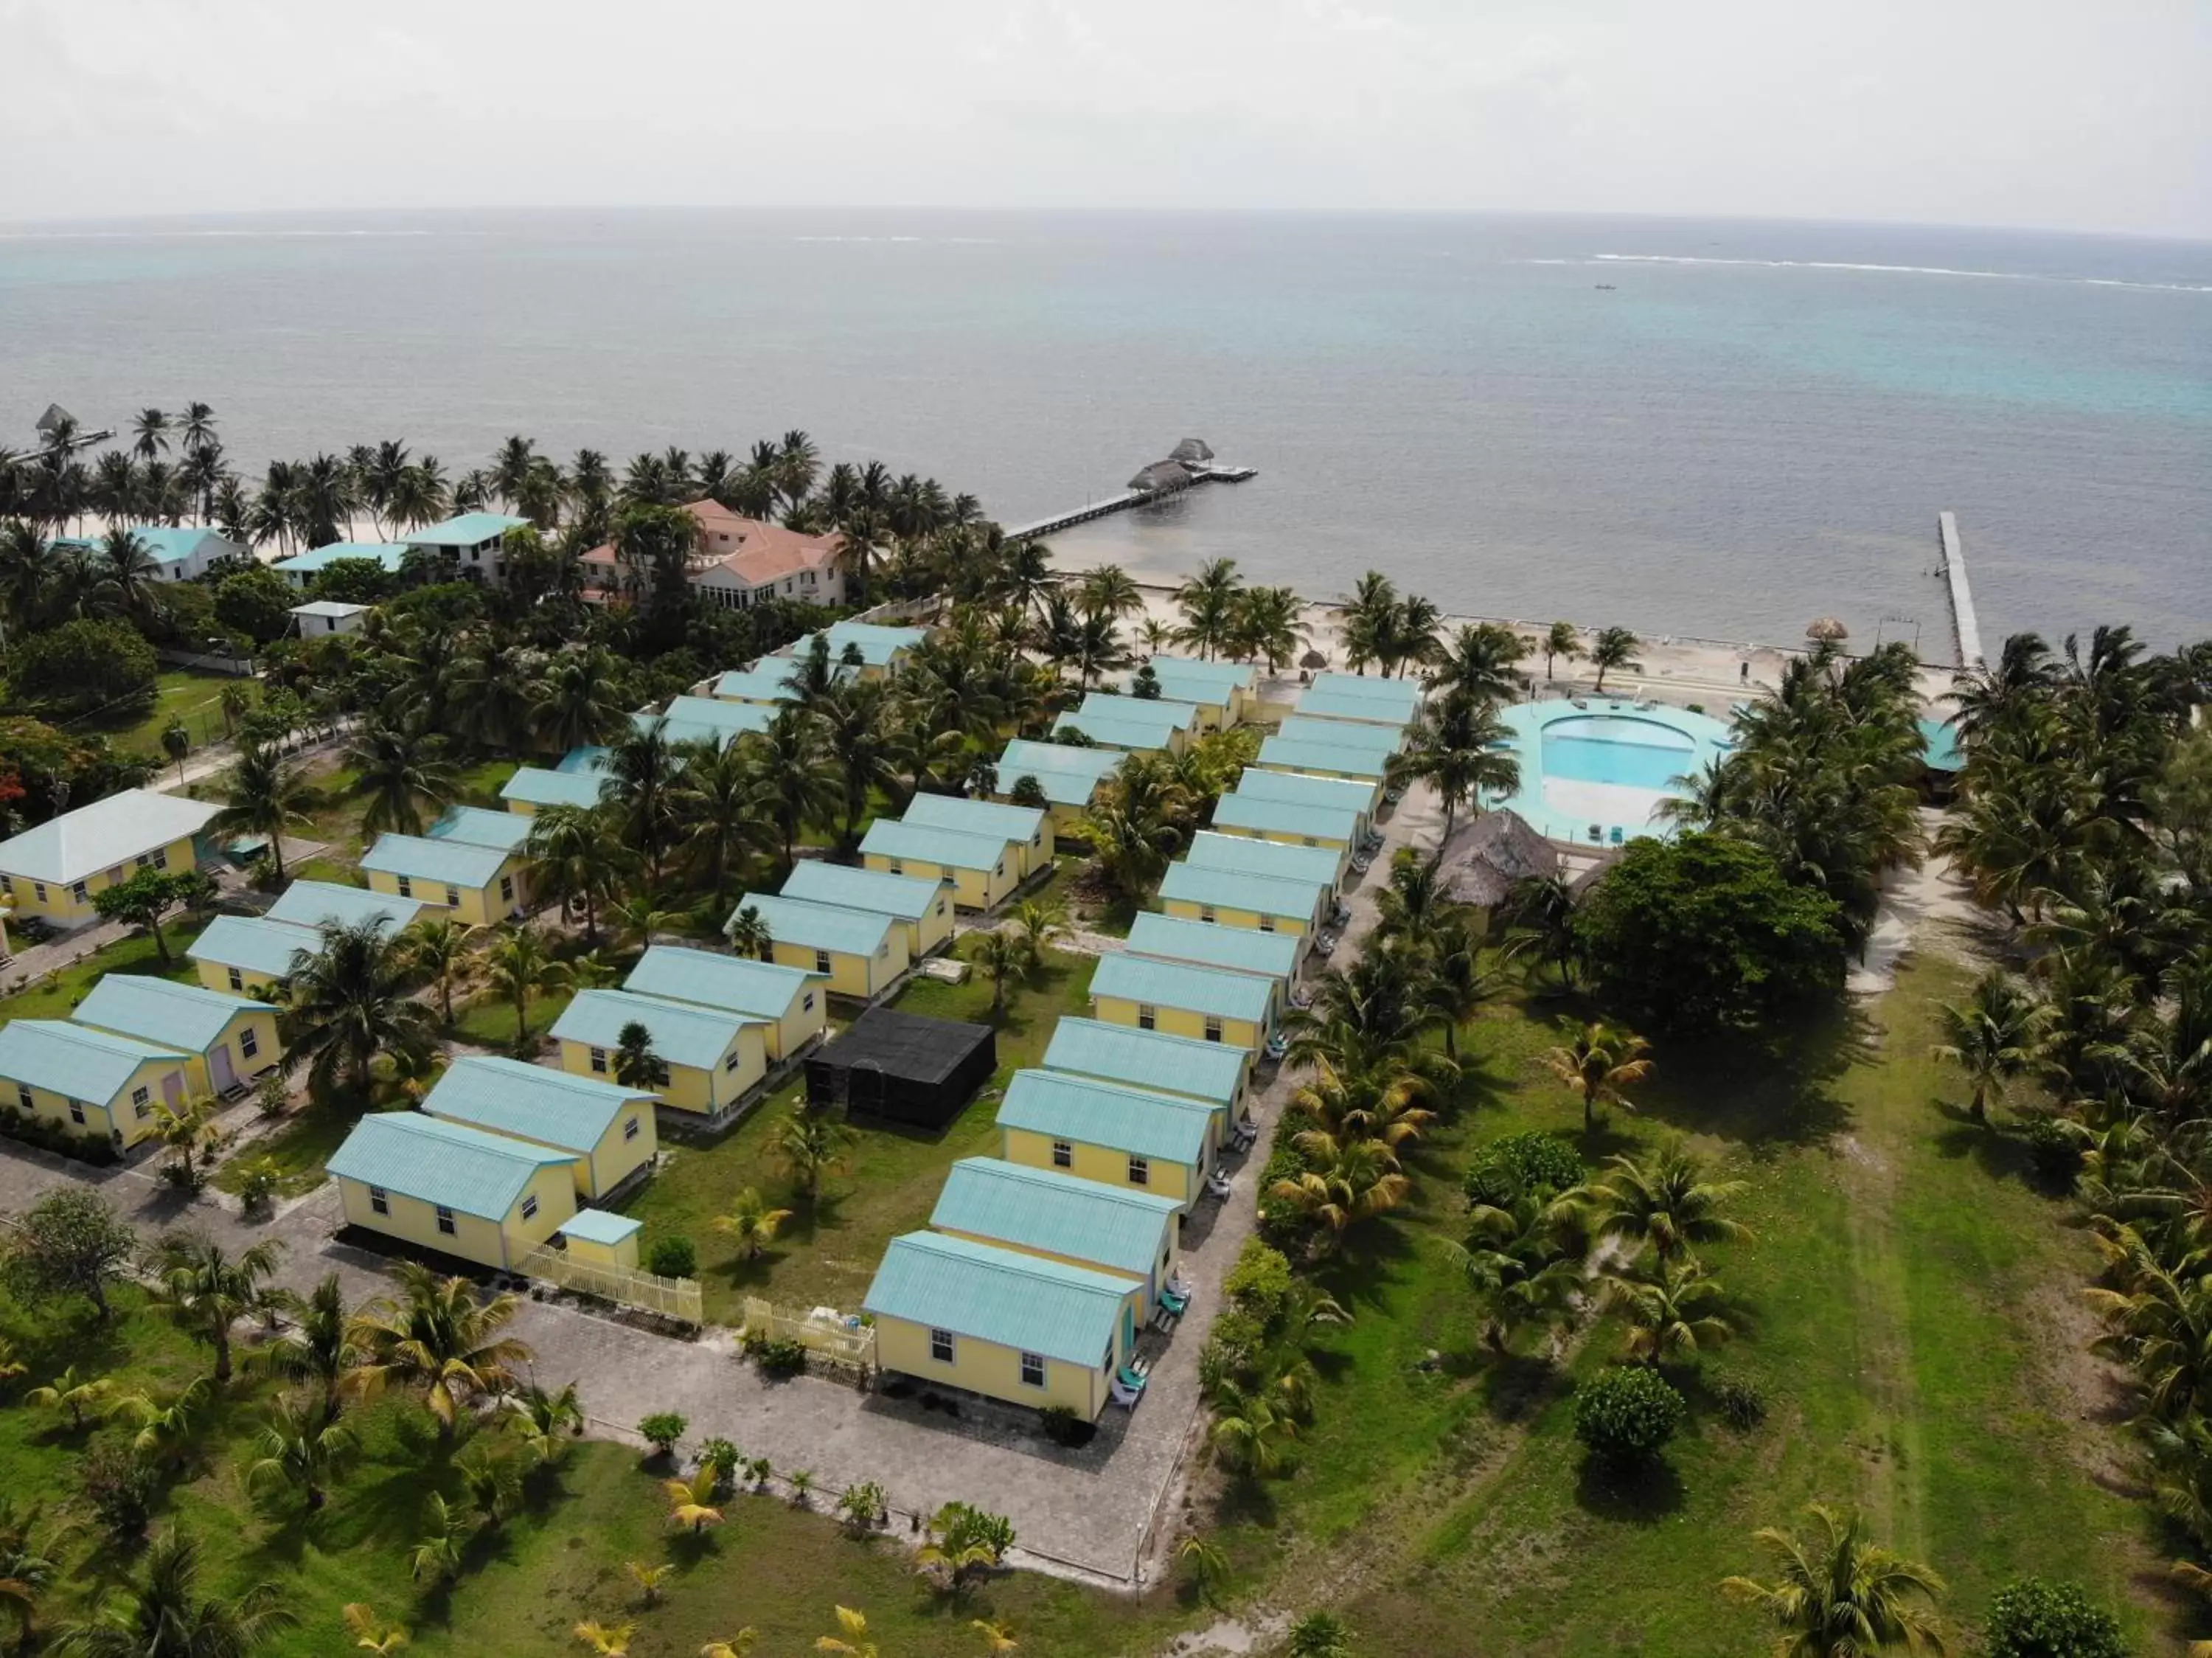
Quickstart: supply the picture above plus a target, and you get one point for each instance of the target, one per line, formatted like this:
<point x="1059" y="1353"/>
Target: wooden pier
<point x="1966" y="627"/>
<point x="1210" y="474"/>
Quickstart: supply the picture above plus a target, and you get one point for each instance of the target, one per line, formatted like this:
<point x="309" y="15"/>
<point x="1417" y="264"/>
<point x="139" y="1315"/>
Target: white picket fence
<point x="671" y="1298"/>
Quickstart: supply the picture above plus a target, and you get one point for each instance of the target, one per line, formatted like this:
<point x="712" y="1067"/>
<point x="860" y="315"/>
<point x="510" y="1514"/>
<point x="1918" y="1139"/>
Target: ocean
<point x="1720" y="430"/>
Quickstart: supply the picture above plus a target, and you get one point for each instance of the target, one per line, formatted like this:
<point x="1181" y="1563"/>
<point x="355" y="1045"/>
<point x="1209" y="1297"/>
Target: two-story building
<point x="472" y="544"/>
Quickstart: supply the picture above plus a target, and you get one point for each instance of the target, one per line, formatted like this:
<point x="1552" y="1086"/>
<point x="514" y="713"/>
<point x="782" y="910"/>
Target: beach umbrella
<point x="1827" y="628"/>
<point x="1313" y="659"/>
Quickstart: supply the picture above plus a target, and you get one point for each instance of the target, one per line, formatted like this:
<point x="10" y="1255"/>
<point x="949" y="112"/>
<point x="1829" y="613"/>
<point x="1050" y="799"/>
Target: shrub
<point x="1260" y="1281"/>
<point x="662" y="1429"/>
<point x="779" y="1355"/>
<point x="88" y="663"/>
<point x="2053" y="1152"/>
<point x="2035" y="1617"/>
<point x="1232" y="1349"/>
<point x="119" y="1488"/>
<point x="1626" y="1414"/>
<point x="675" y="1256"/>
<point x="863" y="1506"/>
<point x="1062" y="1426"/>
<point x="1742" y="1405"/>
<point x="1543" y="1164"/>
<point x="256" y="602"/>
<point x="723" y="1457"/>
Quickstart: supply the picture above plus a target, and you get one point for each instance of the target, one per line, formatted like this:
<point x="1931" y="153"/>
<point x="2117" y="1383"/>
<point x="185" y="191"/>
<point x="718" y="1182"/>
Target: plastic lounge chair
<point x="1616" y="834"/>
<point x="1127" y="1397"/>
<point x="1176" y="1304"/>
<point x="1131" y="1380"/>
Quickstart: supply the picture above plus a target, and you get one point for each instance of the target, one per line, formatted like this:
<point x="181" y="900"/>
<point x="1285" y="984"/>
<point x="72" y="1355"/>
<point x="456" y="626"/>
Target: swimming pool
<point x="1609" y="748"/>
<point x="1603" y="772"/>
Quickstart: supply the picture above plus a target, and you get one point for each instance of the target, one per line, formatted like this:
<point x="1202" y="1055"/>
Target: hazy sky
<point x="2086" y="114"/>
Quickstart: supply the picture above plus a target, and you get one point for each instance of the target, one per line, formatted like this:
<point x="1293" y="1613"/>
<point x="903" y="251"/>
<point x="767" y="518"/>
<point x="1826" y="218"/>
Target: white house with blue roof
<point x="87" y="1081"/>
<point x="607" y="1128"/>
<point x="301" y="568"/>
<point x="320" y="903"/>
<point x="470" y="542"/>
<point x="453" y="1188"/>
<point x="179" y="552"/>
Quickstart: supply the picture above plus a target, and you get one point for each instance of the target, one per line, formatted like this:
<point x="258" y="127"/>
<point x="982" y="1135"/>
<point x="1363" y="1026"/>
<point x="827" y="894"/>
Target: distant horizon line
<point x="91" y="226"/>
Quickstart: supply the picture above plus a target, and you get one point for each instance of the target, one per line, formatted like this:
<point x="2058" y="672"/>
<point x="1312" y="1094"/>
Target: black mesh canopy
<point x="903" y="1067"/>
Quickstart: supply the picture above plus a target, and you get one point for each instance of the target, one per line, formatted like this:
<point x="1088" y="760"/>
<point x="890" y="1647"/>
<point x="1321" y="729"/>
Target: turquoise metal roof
<point x="770" y="681"/>
<point x="478" y="825"/>
<point x="597" y="1226"/>
<point x="1106" y="1226"/>
<point x="311" y="902"/>
<point x="1176" y="984"/>
<point x="254" y="944"/>
<point x="979" y="1290"/>
<point x="1188" y="679"/>
<point x="819" y="926"/>
<point x="98" y="836"/>
<point x="449" y="1164"/>
<point x="1061" y="788"/>
<point x="877" y="644"/>
<point x="1338" y="794"/>
<point x="1229" y="889"/>
<point x="729" y="719"/>
<point x="1116" y="728"/>
<point x="1240" y="949"/>
<point x="1168" y="1126"/>
<point x="1379" y="740"/>
<point x="534" y="785"/>
<point x="386" y="553"/>
<point x="1275" y="859"/>
<point x="1023" y="754"/>
<point x="1313" y="756"/>
<point x="1211" y="1071"/>
<point x="171" y="544"/>
<point x="1397" y="697"/>
<point x="190" y="1018"/>
<point x="950" y="847"/>
<point x="532" y="1102"/>
<point x="683" y="1033"/>
<point x="468" y="529"/>
<point x="975" y="817"/>
<point x="74" y="1060"/>
<point x="908" y="897"/>
<point x="1109" y="704"/>
<point x="1282" y="817"/>
<point x="1339" y="709"/>
<point x="736" y="984"/>
<point x="447" y="863"/>
<point x="587" y="756"/>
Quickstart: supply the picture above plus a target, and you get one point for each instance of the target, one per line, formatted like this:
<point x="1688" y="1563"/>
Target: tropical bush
<point x="1626" y="1414"/>
<point x="2035" y="1617"/>
<point x="662" y="1429"/>
<point x="675" y="1256"/>
<point x="86" y="664"/>
<point x="1534" y="1163"/>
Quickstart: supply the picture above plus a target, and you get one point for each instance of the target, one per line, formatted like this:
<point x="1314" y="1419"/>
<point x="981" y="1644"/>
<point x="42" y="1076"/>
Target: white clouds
<point x="2006" y="111"/>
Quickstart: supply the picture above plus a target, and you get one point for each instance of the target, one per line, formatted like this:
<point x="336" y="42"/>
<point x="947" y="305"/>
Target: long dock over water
<point x="1125" y="499"/>
<point x="1966" y="627"/>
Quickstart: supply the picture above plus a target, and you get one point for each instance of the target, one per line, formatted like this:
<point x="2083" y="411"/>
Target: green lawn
<point x="488" y="1020"/>
<point x="826" y="1255"/>
<point x="181" y="693"/>
<point x="1909" y="1303"/>
<point x="56" y="996"/>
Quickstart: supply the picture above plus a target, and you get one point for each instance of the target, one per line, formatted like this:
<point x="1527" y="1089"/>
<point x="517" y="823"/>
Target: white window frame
<point x="406" y="885"/>
<point x="237" y="979"/>
<point x="380" y="1201"/>
<point x="142" y="1101"/>
<point x="1063" y="1153"/>
<point x="1148" y="1016"/>
<point x="1032" y="1370"/>
<point x="248" y="1042"/>
<point x="945" y="1340"/>
<point x="821" y="961"/>
<point x="452" y="896"/>
<point x="530" y="1207"/>
<point x="447" y="1227"/>
<point x="1213" y="1028"/>
<point x="631" y="1127"/>
<point x="1140" y="1170"/>
<point x="598" y="1062"/>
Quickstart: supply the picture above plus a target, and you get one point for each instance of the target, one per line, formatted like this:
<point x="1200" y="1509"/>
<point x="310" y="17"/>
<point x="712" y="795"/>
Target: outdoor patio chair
<point x="1127" y="1397"/>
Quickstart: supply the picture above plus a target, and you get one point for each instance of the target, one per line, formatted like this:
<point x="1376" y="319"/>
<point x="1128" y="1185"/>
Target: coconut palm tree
<point x="447" y="1529"/>
<point x="1599" y="1062"/>
<point x="348" y="1001"/>
<point x="404" y="773"/>
<point x="1562" y="639"/>
<point x="518" y="967"/>
<point x="1994" y="1036"/>
<point x="575" y="856"/>
<point x="166" y="1616"/>
<point x="438" y="1337"/>
<point x="72" y="1395"/>
<point x="578" y="700"/>
<point x="1672" y="1308"/>
<point x="303" y="1450"/>
<point x="852" y="1639"/>
<point x="737" y="1646"/>
<point x="1005" y="955"/>
<point x="1667" y="1202"/>
<point x="1109" y="591"/>
<point x="642" y="770"/>
<point x="1616" y="647"/>
<point x="371" y="1633"/>
<point x="713" y="828"/>
<point x="150" y="428"/>
<point x="750" y="1225"/>
<point x="1458" y="747"/>
<point x="188" y="1130"/>
<point x="749" y="934"/>
<point x="796" y="778"/>
<point x="690" y="1502"/>
<point x="1414" y="635"/>
<point x="1479" y="664"/>
<point x="1525" y="1259"/>
<point x="548" y="1419"/>
<point x="1251" y="1434"/>
<point x="438" y="948"/>
<point x="636" y="1063"/>
<point x="264" y="796"/>
<point x="1208" y="602"/>
<point x="27" y="1571"/>
<point x="206" y="1289"/>
<point x="809" y="1144"/>
<point x="317" y="1350"/>
<point x="1842" y="1597"/>
<point x="1345" y="1181"/>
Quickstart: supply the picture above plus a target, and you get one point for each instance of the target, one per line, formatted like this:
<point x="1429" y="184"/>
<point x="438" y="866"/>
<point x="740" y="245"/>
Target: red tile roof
<point x="755" y="553"/>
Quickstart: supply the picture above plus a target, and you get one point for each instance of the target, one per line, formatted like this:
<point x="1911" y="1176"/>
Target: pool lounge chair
<point x="1616" y="834"/>
<point x="1176" y="1304"/>
<point x="1127" y="1397"/>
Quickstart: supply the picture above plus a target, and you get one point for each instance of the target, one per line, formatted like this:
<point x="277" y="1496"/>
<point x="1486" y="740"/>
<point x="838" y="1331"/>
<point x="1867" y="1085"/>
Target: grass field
<point x="56" y="996"/>
<point x="826" y="1256"/>
<point x="181" y="693"/>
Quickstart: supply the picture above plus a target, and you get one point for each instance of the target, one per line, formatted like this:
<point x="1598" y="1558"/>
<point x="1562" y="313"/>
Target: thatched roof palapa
<point x="1828" y="627"/>
<point x="1161" y="477"/>
<point x="1313" y="659"/>
<point x="55" y="417"/>
<point x="1485" y="859"/>
<point x="1192" y="451"/>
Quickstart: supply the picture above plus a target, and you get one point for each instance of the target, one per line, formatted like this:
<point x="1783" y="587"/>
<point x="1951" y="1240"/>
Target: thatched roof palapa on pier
<point x="55" y="417"/>
<point x="1828" y="627"/>
<point x="1191" y="452"/>
<point x="1485" y="858"/>
<point x="1162" y="476"/>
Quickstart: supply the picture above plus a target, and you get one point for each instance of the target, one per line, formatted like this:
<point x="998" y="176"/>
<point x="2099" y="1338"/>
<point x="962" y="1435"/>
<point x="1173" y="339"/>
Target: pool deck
<point x="1567" y="809"/>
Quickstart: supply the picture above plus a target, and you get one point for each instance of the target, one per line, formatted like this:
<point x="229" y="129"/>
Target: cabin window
<point x="453" y="897"/>
<point x="1213" y="1027"/>
<point x="1206" y="913"/>
<point x="1140" y="1171"/>
<point x="380" y="1200"/>
<point x="1032" y="1370"/>
<point x="78" y="893"/>
<point x="139" y="862"/>
<point x="506" y="889"/>
<point x="39" y="887"/>
<point x="406" y="886"/>
<point x="1148" y="1016"/>
<point x="76" y="1111"/>
<point x="630" y="1129"/>
<point x="884" y="950"/>
<point x="237" y="979"/>
<point x="445" y="1220"/>
<point x="142" y="1101"/>
<point x="1267" y="924"/>
<point x="161" y="858"/>
<point x="248" y="1042"/>
<point x="23" y="1098"/>
<point x="598" y="1062"/>
<point x="1063" y="1155"/>
<point x="940" y="906"/>
<point x="1310" y="841"/>
<point x="736" y="1058"/>
<point x="530" y="1207"/>
<point x="822" y="961"/>
<point x="807" y="1002"/>
<point x="8" y="886"/>
<point x="940" y="1346"/>
<point x="898" y="866"/>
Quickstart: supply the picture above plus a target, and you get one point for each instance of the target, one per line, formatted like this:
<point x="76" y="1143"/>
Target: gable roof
<point x="449" y="1164"/>
<point x="1232" y="889"/>
<point x="1179" y="984"/>
<point x="253" y="944"/>
<point x="74" y="1060"/>
<point x="172" y="543"/>
<point x="585" y="757"/>
<point x="599" y="1226"/>
<point x="951" y="848"/>
<point x="877" y="644"/>
<point x="190" y="1018"/>
<point x="1293" y="754"/>
<point x="683" y="1033"/>
<point x="908" y="897"/>
<point x="531" y="1102"/>
<point x="1168" y="1126"/>
<point x="1283" y="817"/>
<point x="690" y="718"/>
<point x="450" y="863"/>
<point x="534" y="785"/>
<point x="1240" y="949"/>
<point x="390" y="554"/>
<point x="478" y="825"/>
<point x="1024" y="753"/>
<point x="1211" y="1071"/>
<point x="1107" y="1226"/>
<point x="1108" y="703"/>
<point x="311" y="902"/>
<point x="770" y="681"/>
<point x="1397" y="698"/>
<point x="1340" y="794"/>
<point x="1188" y="679"/>
<point x="1137" y="727"/>
<point x="1277" y="860"/>
<point x="464" y="530"/>
<point x="736" y="984"/>
<point x="1339" y="709"/>
<point x="1382" y="739"/>
<point x="975" y="817"/>
<point x="1001" y="1295"/>
<point x="819" y="926"/>
<point x="102" y="834"/>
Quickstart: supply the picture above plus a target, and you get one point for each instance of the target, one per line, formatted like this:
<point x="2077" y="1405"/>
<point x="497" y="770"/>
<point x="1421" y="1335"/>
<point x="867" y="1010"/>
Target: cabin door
<point x="173" y="1087"/>
<point x="219" y="1066"/>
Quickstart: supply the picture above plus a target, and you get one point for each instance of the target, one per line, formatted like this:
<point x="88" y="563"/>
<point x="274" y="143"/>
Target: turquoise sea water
<point x="1717" y="429"/>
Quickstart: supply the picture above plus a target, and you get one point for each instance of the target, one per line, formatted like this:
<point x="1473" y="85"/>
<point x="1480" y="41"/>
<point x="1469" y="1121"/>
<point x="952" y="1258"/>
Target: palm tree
<point x="1251" y="1434"/>
<point x="575" y="856"/>
<point x="852" y="1639"/>
<point x="1666" y="1203"/>
<point x="518" y="967"/>
<point x="636" y="1063"/>
<point x="1525" y="1259"/>
<point x="447" y="1528"/>
<point x="1598" y="1061"/>
<point x="1564" y="639"/>
<point x="1320" y="1635"/>
<point x="738" y="1646"/>
<point x="713" y="826"/>
<point x="1345" y="1181"/>
<point x="187" y="1129"/>
<point x="1208" y="602"/>
<point x="303" y="1450"/>
<point x="607" y="1640"/>
<point x="26" y="1570"/>
<point x="795" y="778"/>
<point x="166" y="1616"/>
<point x="1846" y="1597"/>
<point x="349" y="1002"/>
<point x="578" y="701"/>
<point x="749" y="934"/>
<point x="1109" y="591"/>
<point x="437" y="1336"/>
<point x="550" y="1419"/>
<point x="207" y="1290"/>
<point x="1673" y="1310"/>
<point x="1413" y="635"/>
<point x="857" y="724"/>
<point x="691" y="1504"/>
<point x="151" y="430"/>
<point x="750" y="1224"/>
<point x="438" y="948"/>
<point x="642" y="770"/>
<point x="1005" y="955"/>
<point x="371" y="1633"/>
<point x="1459" y="748"/>
<point x="404" y="774"/>
<point x="1996" y="1036"/>
<point x="1479" y="664"/>
<point x="317" y="1350"/>
<point x="809" y="1144"/>
<point x="73" y="1395"/>
<point x="265" y="797"/>
<point x="1615" y="648"/>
